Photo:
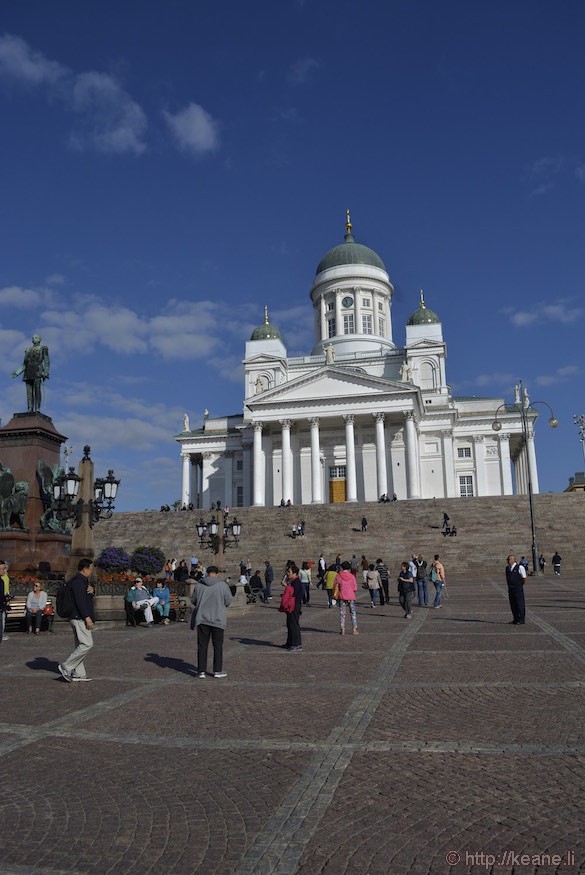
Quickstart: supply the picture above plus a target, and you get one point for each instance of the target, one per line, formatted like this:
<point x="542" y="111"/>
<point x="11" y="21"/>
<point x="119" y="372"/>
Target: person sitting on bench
<point x="142" y="601"/>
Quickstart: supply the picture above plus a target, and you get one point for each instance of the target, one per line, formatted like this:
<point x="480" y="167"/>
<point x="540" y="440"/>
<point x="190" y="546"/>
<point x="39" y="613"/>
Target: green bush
<point x="147" y="560"/>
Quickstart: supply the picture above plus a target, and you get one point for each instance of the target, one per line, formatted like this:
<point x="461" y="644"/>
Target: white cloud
<point x="56" y="279"/>
<point x="18" y="61"/>
<point x="301" y="70"/>
<point x="559" y="311"/>
<point x="542" y="174"/>
<point x="580" y="173"/>
<point x="194" y="129"/>
<point x="110" y="120"/>
<point x="561" y="375"/>
<point x="15" y="296"/>
<point x="494" y="379"/>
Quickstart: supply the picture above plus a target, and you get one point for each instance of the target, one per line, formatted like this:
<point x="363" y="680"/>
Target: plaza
<point x="450" y="743"/>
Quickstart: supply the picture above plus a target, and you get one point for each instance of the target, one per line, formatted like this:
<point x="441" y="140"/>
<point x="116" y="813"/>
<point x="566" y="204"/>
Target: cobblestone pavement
<point x="449" y="743"/>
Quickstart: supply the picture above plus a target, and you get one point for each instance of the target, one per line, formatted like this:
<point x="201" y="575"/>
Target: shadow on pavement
<point x="170" y="662"/>
<point x="41" y="663"/>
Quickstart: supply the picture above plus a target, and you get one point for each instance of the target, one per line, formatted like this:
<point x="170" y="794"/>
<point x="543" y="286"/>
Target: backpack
<point x="287" y="601"/>
<point x="65" y="601"/>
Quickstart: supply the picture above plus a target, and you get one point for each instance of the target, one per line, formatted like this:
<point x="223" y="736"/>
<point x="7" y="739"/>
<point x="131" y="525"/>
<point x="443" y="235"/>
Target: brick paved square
<point x="518" y="667"/>
<point x="126" y="809"/>
<point x="498" y="640"/>
<point x="402" y="813"/>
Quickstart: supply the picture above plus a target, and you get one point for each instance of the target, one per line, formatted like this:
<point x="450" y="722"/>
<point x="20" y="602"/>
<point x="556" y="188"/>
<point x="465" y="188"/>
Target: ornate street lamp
<point x="580" y="423"/>
<point x="522" y="405"/>
<point x="218" y="536"/>
<point x="66" y="489"/>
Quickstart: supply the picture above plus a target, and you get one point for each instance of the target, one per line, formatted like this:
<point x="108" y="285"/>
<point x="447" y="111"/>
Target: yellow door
<point x="336" y="491"/>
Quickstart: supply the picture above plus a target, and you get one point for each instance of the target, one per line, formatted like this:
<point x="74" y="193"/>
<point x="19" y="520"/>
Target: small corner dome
<point x="266" y="331"/>
<point x="349" y="252"/>
<point x="423" y="316"/>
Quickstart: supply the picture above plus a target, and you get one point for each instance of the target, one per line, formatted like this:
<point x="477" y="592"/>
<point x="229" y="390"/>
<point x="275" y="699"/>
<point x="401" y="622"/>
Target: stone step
<point x="488" y="529"/>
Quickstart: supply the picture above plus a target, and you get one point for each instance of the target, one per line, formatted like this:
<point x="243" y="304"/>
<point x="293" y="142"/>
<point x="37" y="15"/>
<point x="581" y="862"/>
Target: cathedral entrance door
<point x="337" y="492"/>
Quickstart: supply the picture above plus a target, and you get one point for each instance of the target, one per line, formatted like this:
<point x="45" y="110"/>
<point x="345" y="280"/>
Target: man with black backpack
<point x="81" y="621"/>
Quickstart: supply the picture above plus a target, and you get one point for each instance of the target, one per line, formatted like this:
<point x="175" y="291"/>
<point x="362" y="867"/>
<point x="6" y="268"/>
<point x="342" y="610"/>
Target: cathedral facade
<point x="359" y="417"/>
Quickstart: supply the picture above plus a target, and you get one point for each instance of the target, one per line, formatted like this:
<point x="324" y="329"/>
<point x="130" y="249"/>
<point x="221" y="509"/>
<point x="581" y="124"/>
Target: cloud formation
<point x="542" y="174"/>
<point x="110" y="121"/>
<point x="561" y="375"/>
<point x="194" y="130"/>
<point x="300" y="72"/>
<point x="559" y="311"/>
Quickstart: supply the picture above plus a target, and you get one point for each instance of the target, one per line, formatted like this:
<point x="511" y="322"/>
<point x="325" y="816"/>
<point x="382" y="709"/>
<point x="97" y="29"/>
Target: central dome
<point x="349" y="252"/>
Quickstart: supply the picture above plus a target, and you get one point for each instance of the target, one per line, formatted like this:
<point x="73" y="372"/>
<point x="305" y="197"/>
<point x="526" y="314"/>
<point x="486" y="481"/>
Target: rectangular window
<point x="367" y="324"/>
<point x="239" y="496"/>
<point x="381" y="327"/>
<point x="239" y="464"/>
<point x="380" y="306"/>
<point x="366" y="302"/>
<point x="331" y="305"/>
<point x="331" y="328"/>
<point x="464" y="452"/>
<point x="337" y="472"/>
<point x="348" y="325"/>
<point x="466" y="487"/>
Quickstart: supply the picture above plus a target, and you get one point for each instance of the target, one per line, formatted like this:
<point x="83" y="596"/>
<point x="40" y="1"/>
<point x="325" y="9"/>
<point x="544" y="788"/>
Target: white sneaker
<point x="75" y="678"/>
<point x="220" y="674"/>
<point x="201" y="674"/>
<point x="64" y="673"/>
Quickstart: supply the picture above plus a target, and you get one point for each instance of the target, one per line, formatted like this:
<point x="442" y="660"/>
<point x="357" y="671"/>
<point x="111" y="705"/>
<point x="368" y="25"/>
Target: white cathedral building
<point x="359" y="417"/>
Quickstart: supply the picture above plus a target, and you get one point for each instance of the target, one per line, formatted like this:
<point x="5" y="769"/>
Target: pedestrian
<point x="353" y="565"/>
<point x="330" y="576"/>
<point x="302" y="529"/>
<point x="321" y="571"/>
<point x="541" y="563"/>
<point x="515" y="577"/>
<point x="293" y="625"/>
<point x="382" y="570"/>
<point x="524" y="562"/>
<point x="405" y="589"/>
<point x="305" y="578"/>
<point x="268" y="578"/>
<point x="338" y="562"/>
<point x="556" y="564"/>
<point x="365" y="566"/>
<point x="5" y="594"/>
<point x="438" y="579"/>
<point x="445" y="520"/>
<point x="422" y="581"/>
<point x="211" y="598"/>
<point x="364" y="524"/>
<point x="248" y="568"/>
<point x="294" y="531"/>
<point x="81" y="622"/>
<point x="346" y="585"/>
<point x="373" y="583"/>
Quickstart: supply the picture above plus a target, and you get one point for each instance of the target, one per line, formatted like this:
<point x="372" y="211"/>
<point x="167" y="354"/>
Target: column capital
<point x="285" y="423"/>
<point x="503" y="436"/>
<point x="349" y="417"/>
<point x="379" y="417"/>
<point x="229" y="454"/>
<point x="409" y="414"/>
<point x="185" y="455"/>
<point x="478" y="438"/>
<point x="258" y="425"/>
<point x="313" y="421"/>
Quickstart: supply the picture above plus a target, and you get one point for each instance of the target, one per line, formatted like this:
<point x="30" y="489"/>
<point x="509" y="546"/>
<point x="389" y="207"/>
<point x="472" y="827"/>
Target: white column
<point x="258" y="490"/>
<point x="228" y="473"/>
<point x="247" y="473"/>
<point x="480" y="478"/>
<point x="186" y="484"/>
<point x="532" y="463"/>
<point x="381" y="471"/>
<point x="505" y="464"/>
<point x="449" y="462"/>
<point x="316" y="480"/>
<point x="205" y="475"/>
<point x="323" y="319"/>
<point x="351" y="479"/>
<point x="412" y="463"/>
<point x="287" y="482"/>
<point x="357" y="309"/>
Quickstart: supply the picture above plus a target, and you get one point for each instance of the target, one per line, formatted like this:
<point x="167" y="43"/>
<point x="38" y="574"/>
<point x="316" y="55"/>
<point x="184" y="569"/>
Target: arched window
<point x="427" y="376"/>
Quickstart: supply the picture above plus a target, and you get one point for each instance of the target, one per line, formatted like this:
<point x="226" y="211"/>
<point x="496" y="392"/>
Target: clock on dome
<point x="347" y="301"/>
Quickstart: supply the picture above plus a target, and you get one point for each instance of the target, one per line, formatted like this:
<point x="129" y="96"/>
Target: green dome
<point x="350" y="252"/>
<point x="266" y="331"/>
<point x="423" y="316"/>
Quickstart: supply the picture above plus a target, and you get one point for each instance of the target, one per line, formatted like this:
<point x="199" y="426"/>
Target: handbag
<point x="434" y="575"/>
<point x="48" y="611"/>
<point x="335" y="593"/>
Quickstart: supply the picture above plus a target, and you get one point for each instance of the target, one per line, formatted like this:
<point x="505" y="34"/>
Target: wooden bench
<point x="179" y="604"/>
<point x="178" y="611"/>
<point x="17" y="612"/>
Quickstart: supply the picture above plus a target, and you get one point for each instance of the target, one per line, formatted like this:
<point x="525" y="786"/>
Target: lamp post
<point x="83" y="500"/>
<point x="522" y="405"/>
<point x="218" y="534"/>
<point x="580" y="423"/>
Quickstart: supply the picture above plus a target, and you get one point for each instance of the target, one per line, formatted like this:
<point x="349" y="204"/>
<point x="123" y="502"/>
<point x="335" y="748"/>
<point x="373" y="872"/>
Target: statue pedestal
<point x="27" y="438"/>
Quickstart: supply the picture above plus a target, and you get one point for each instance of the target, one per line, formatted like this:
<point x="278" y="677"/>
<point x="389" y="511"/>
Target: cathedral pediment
<point x="329" y="384"/>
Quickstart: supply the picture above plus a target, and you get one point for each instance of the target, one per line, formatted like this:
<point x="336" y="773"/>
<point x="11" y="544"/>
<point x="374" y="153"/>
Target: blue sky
<point x="168" y="168"/>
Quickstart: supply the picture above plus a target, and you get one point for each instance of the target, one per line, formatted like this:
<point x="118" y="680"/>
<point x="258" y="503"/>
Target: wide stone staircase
<point x="488" y="529"/>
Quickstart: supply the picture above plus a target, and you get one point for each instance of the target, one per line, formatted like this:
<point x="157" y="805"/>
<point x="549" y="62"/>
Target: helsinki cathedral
<point x="358" y="417"/>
